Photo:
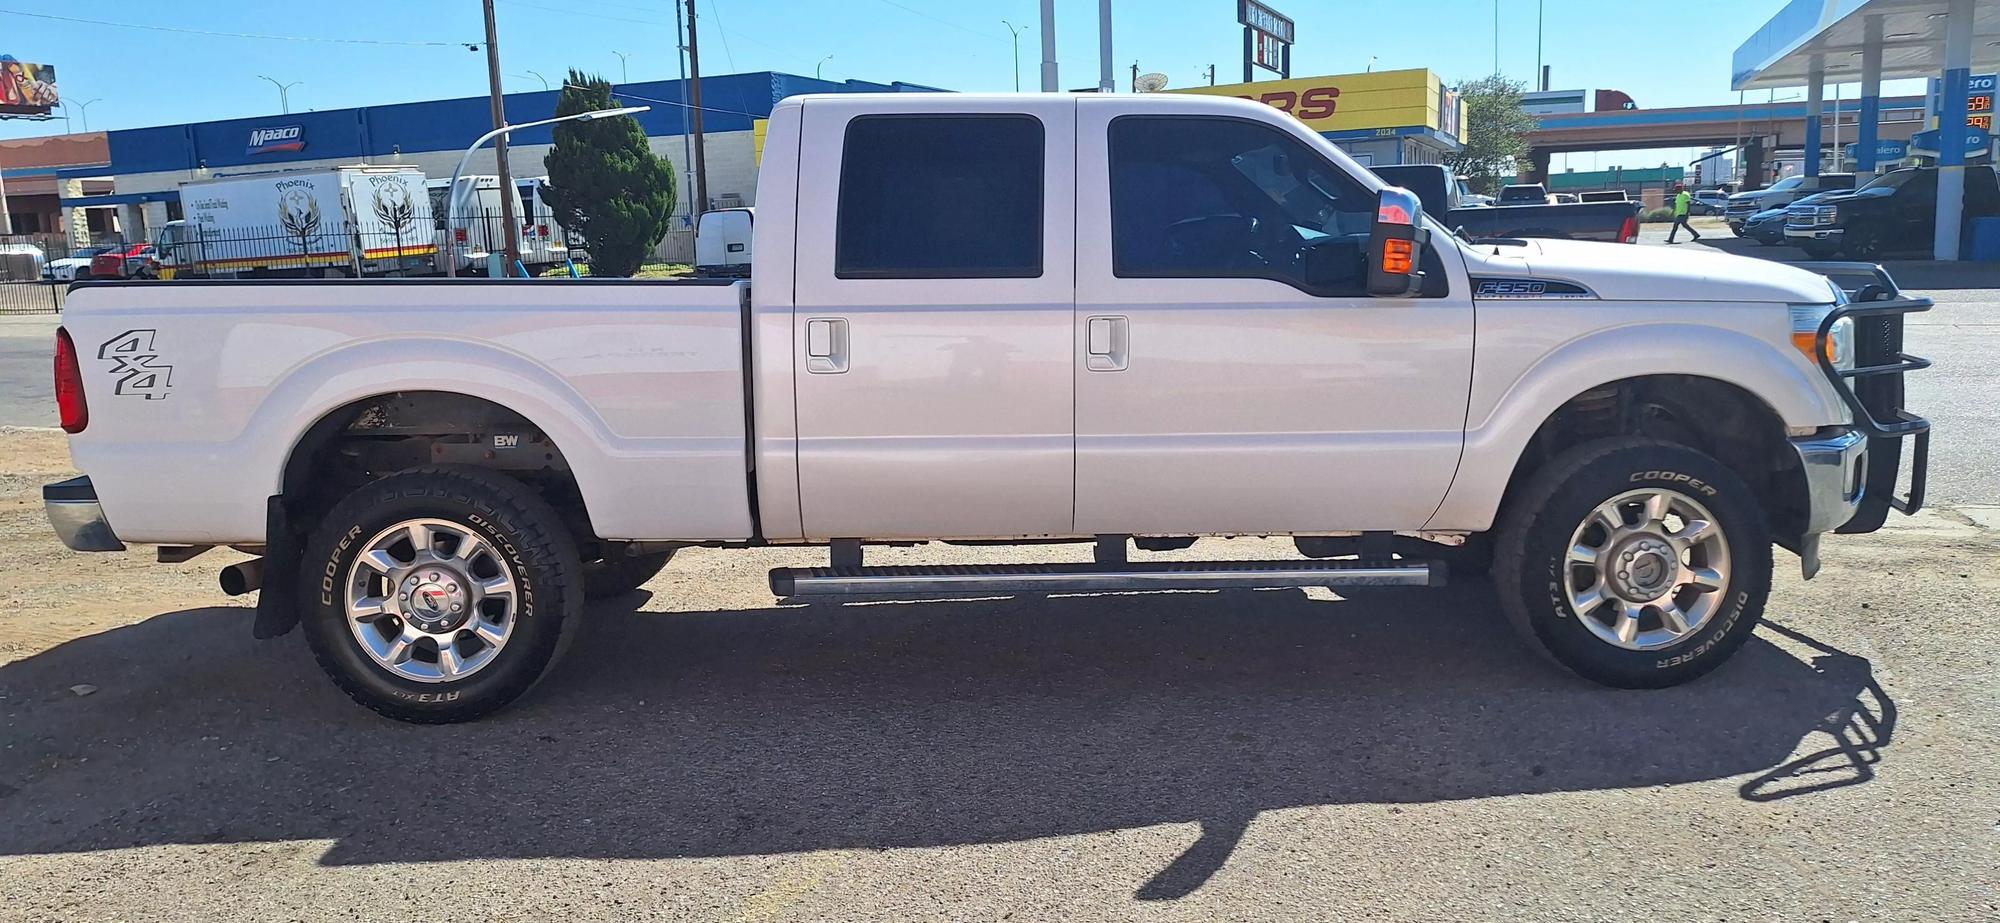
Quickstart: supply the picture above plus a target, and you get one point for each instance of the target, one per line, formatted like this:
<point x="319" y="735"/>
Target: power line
<point x="966" y="29"/>
<point x="275" y="38"/>
<point x="620" y="94"/>
<point x="714" y="9"/>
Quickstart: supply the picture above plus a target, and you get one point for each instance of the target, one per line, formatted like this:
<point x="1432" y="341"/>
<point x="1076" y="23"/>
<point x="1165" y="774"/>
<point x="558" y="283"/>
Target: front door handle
<point x="826" y="345"/>
<point x="1108" y="343"/>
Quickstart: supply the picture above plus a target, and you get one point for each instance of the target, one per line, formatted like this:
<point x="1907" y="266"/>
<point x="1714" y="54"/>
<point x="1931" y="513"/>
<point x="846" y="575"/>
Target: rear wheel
<point x="1634" y="563"/>
<point x="439" y="594"/>
<point x="1862" y="244"/>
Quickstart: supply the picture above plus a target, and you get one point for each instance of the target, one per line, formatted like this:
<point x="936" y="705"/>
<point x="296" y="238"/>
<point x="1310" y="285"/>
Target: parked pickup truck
<point x="1616" y="222"/>
<point x="1743" y="205"/>
<point x="1894" y="212"/>
<point x="1127" y="320"/>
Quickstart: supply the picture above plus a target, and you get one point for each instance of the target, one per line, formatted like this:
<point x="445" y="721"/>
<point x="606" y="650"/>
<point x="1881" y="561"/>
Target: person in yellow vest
<point x="1683" y="199"/>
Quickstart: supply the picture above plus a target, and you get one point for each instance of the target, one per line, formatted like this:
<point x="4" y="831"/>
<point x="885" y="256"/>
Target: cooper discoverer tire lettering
<point x="1634" y="562"/>
<point x="440" y="594"/>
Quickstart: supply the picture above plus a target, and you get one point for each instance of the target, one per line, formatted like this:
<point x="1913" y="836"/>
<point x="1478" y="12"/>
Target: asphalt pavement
<point x="27" y="384"/>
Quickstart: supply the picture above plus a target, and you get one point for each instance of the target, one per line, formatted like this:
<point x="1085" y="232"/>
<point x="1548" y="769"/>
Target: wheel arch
<point x="1754" y="376"/>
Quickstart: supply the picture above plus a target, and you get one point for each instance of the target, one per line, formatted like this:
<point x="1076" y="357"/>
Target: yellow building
<point x="1381" y="118"/>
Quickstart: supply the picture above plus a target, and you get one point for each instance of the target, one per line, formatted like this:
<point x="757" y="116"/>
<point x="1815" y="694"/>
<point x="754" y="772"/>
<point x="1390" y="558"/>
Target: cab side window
<point x="1215" y="197"/>
<point x="940" y="197"/>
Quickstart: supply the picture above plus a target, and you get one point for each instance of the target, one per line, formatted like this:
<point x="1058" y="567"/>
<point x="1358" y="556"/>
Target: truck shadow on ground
<point x="781" y="730"/>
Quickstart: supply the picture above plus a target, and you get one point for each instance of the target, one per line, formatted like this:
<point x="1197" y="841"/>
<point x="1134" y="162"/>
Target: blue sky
<point x="1662" y="55"/>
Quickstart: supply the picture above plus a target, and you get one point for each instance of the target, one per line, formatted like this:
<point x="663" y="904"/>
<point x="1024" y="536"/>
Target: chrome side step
<point x="1003" y="579"/>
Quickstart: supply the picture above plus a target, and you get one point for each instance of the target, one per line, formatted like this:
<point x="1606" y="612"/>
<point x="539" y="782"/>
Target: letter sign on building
<point x="273" y="140"/>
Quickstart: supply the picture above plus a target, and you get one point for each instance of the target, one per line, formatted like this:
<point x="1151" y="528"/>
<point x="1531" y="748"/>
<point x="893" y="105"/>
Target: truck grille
<point x="1810" y="216"/>
<point x="1742" y="209"/>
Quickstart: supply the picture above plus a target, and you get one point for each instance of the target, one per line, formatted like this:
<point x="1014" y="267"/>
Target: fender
<point x="1505" y="414"/>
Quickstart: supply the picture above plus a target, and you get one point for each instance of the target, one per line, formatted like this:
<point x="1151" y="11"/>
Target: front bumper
<point x="1813" y="233"/>
<point x="77" y="517"/>
<point x="1835" y="463"/>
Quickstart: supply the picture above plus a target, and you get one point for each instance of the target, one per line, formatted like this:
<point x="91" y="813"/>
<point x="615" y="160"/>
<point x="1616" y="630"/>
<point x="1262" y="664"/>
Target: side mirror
<point x="1395" y="245"/>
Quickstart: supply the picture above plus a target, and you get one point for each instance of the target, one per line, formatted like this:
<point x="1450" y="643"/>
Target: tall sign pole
<point x="1049" y="84"/>
<point x="700" y="203"/>
<point x="507" y="216"/>
<point x="1105" y="83"/>
<point x="1267" y="38"/>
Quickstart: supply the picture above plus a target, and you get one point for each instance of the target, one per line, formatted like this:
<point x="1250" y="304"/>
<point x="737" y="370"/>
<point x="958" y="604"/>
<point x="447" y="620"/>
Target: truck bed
<point x="640" y="383"/>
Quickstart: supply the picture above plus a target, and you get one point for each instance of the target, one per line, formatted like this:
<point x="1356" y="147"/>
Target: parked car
<point x="1709" y="202"/>
<point x="1118" y="319"/>
<point x="1523" y="194"/>
<point x="1895" y="212"/>
<point x="1613" y="222"/>
<point x="21" y="262"/>
<point x="72" y="268"/>
<point x="126" y="261"/>
<point x="1783" y="192"/>
<point x="722" y="243"/>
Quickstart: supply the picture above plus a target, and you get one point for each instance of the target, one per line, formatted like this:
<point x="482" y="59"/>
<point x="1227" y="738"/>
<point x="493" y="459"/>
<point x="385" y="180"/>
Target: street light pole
<point x="284" y="98"/>
<point x="623" y="77"/>
<point x="545" y="81"/>
<point x="822" y="63"/>
<point x="1016" y="35"/>
<point x="452" y="193"/>
<point x="1049" y="82"/>
<point x="499" y="135"/>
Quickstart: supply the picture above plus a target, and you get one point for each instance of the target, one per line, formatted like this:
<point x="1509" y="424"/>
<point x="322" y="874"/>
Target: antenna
<point x="1149" y="83"/>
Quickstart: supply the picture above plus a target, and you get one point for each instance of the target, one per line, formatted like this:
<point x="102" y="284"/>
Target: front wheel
<point x="1634" y="563"/>
<point x="439" y="594"/>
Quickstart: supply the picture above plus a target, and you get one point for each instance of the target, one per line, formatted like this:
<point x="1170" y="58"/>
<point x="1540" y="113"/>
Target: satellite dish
<point x="1149" y="83"/>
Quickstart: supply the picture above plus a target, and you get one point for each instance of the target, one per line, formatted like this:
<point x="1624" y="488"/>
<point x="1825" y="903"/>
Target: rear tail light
<point x="69" y="385"/>
<point x="1628" y="233"/>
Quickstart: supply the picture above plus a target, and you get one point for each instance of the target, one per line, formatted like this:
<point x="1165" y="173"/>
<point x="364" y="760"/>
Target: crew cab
<point x="1136" y="321"/>
<point x="1742" y="205"/>
<point x="1894" y="212"/>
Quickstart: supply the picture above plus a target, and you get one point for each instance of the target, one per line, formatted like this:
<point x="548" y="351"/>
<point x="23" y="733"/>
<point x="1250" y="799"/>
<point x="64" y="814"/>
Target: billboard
<point x="26" y="88"/>
<point x="1413" y="98"/>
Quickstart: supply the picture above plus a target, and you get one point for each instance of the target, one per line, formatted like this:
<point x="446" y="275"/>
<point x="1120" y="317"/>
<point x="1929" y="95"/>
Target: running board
<point x="1006" y="579"/>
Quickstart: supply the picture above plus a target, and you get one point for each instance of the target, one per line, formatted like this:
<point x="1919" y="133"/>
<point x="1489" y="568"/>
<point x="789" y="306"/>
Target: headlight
<point x="1806" y="319"/>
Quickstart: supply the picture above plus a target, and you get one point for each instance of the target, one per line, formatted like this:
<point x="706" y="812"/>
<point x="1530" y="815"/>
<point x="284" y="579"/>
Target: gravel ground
<point x="706" y="754"/>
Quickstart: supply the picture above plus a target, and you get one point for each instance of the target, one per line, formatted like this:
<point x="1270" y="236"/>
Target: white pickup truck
<point x="1128" y="320"/>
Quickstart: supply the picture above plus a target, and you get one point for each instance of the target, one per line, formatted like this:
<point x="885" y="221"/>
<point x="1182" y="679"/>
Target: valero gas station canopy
<point x="1810" y="42"/>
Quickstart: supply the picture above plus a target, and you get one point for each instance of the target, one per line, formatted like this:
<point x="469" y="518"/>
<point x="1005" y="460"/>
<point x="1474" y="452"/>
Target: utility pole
<point x="1105" y="82"/>
<point x="687" y="147"/>
<point x="1049" y="84"/>
<point x="1135" y="77"/>
<point x="1211" y="75"/>
<point x="700" y="203"/>
<point x="507" y="216"/>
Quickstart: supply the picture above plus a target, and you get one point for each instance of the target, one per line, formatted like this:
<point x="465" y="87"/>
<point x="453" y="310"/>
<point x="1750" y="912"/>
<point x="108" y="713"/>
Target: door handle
<point x="1108" y="343"/>
<point x="826" y="345"/>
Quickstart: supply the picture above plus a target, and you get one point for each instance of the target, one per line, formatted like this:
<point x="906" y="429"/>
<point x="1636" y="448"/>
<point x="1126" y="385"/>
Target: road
<point x="27" y="391"/>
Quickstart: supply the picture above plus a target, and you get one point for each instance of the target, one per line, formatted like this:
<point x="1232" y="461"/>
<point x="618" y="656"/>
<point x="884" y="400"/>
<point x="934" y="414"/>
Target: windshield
<point x="1892" y="180"/>
<point x="1789" y="182"/>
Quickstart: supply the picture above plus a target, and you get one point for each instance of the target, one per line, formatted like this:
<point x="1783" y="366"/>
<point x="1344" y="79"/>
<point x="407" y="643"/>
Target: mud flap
<point x="278" y="601"/>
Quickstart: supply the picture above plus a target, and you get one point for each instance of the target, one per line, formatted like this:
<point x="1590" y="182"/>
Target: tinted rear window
<point x="940" y="197"/>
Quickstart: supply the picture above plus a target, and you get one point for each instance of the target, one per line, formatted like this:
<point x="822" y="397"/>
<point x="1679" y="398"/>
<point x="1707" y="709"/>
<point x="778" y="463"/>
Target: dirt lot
<point x="704" y="754"/>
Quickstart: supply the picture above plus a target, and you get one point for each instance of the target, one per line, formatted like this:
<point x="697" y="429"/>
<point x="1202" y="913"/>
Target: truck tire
<point x="611" y="577"/>
<point x="438" y="595"/>
<point x="1634" y="563"/>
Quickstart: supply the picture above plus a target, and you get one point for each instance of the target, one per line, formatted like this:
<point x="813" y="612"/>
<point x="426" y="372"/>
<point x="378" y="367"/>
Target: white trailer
<point x="344" y="221"/>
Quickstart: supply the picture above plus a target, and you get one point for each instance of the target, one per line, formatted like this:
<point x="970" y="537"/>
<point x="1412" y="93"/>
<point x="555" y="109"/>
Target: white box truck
<point x="344" y="221"/>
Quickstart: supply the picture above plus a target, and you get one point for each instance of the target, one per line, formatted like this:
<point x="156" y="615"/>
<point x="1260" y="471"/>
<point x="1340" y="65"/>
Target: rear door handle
<point x="1108" y="343"/>
<point x="826" y="345"/>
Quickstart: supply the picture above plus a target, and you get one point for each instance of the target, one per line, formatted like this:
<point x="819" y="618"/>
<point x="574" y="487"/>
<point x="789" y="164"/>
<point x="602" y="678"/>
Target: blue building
<point x="148" y="165"/>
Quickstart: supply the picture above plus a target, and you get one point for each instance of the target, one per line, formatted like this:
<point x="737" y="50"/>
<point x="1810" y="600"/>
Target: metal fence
<point x="32" y="271"/>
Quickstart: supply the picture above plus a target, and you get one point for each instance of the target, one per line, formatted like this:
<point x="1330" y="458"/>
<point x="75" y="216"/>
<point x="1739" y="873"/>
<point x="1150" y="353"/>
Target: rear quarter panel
<point x="199" y="391"/>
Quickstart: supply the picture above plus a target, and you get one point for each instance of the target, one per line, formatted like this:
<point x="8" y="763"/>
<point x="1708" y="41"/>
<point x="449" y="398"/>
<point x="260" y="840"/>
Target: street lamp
<point x="1016" y="35"/>
<point x="84" y="107"/>
<point x="452" y="196"/>
<point x="284" y="99"/>
<point x="537" y="76"/>
<point x="822" y="63"/>
<point x="622" y="76"/>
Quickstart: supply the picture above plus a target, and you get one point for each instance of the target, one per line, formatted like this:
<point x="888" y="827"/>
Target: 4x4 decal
<point x="137" y="366"/>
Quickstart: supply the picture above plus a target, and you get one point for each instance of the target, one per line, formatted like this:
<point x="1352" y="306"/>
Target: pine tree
<point x="605" y="183"/>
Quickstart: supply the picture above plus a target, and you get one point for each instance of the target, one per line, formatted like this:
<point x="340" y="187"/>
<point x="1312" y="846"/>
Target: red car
<point x="134" y="261"/>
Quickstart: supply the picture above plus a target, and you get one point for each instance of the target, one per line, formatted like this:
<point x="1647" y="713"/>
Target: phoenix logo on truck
<point x="273" y="140"/>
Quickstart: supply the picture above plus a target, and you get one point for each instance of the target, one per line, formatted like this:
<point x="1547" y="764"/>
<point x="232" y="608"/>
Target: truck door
<point x="1233" y="376"/>
<point x="934" y="294"/>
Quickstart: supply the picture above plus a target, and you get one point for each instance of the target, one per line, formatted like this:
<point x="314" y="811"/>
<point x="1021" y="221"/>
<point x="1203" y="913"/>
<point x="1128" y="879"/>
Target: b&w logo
<point x="137" y="366"/>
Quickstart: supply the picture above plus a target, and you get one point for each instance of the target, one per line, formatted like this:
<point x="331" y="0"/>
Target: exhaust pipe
<point x="244" y="577"/>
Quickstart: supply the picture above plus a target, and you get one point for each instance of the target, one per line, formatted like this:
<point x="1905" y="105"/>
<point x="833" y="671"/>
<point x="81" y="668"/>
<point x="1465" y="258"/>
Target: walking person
<point x="1683" y="199"/>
